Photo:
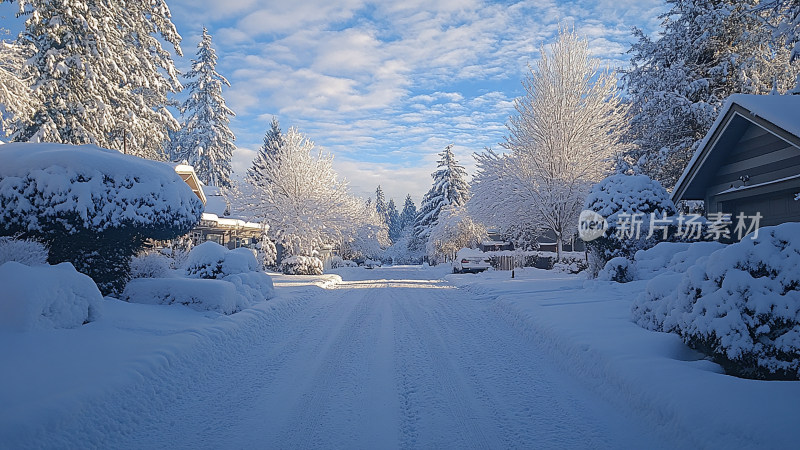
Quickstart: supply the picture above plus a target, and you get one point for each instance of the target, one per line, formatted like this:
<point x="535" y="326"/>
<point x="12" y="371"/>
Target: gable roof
<point x="778" y="114"/>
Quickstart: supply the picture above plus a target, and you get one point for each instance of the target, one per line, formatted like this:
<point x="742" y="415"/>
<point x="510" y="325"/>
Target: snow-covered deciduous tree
<point x="369" y="236"/>
<point x="300" y="196"/>
<point x="100" y="74"/>
<point x="707" y="51"/>
<point x="449" y="188"/>
<point x="16" y="97"/>
<point x="260" y="172"/>
<point x="454" y="230"/>
<point x="204" y="140"/>
<point x="568" y="127"/>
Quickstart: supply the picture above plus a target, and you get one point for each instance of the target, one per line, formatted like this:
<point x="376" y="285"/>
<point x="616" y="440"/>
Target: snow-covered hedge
<point x="741" y="305"/>
<point x="92" y="206"/>
<point x="628" y="194"/>
<point x="25" y="251"/>
<point x="302" y="265"/>
<point x="213" y="261"/>
<point x="200" y="294"/>
<point x="218" y="279"/>
<point x="43" y="296"/>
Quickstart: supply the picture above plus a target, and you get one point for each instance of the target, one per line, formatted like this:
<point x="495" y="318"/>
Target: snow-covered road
<point x="381" y="363"/>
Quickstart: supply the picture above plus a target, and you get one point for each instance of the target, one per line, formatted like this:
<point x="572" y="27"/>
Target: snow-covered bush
<point x="267" y="253"/>
<point x="571" y="264"/>
<point x="619" y="269"/>
<point x="213" y="261"/>
<point x="25" y="251"/>
<point x="741" y="305"/>
<point x="41" y="297"/>
<point x="302" y="265"/>
<point x="92" y="206"/>
<point x="199" y="294"/>
<point x="151" y="265"/>
<point x="218" y="279"/>
<point x="625" y="194"/>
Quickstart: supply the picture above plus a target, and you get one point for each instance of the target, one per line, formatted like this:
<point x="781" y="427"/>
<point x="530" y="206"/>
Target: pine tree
<point x="449" y="189"/>
<point x="707" y="51"/>
<point x="393" y="222"/>
<point x="205" y="140"/>
<point x="16" y="96"/>
<point x="409" y="213"/>
<point x="380" y="205"/>
<point x="259" y="172"/>
<point x="100" y="74"/>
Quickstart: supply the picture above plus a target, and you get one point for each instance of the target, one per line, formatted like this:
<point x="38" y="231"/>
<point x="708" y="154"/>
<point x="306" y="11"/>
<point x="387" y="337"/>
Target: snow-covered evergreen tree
<point x="409" y="213"/>
<point x="100" y="73"/>
<point x="707" y="50"/>
<point x="16" y="97"/>
<point x="204" y="140"/>
<point x="449" y="188"/>
<point x="380" y="205"/>
<point x="260" y="172"/>
<point x="394" y="224"/>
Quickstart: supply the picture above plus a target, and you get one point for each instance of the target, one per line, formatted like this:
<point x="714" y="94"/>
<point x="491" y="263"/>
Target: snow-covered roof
<point x="189" y="176"/>
<point x="783" y="111"/>
<point x="231" y="223"/>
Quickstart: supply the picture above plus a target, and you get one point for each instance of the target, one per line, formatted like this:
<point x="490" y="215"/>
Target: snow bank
<point x="741" y="305"/>
<point x="252" y="287"/>
<point x="42" y="297"/>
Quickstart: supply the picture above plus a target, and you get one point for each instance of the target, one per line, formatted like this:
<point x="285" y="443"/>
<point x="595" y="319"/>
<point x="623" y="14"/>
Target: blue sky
<point x="385" y="86"/>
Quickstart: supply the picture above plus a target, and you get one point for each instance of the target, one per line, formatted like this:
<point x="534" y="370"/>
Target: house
<point x="749" y="162"/>
<point x="494" y="242"/>
<point x="214" y="225"/>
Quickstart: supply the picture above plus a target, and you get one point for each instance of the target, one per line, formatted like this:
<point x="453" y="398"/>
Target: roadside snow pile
<point x="741" y="305"/>
<point x="42" y="297"/>
<point x="217" y="279"/>
<point x="302" y="265"/>
<point x="25" y="251"/>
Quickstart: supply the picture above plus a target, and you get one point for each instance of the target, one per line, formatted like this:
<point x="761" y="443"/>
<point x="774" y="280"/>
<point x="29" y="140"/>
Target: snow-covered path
<point x="380" y="364"/>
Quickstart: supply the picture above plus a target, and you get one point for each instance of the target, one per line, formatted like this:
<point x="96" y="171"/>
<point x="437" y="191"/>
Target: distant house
<point x="214" y="225"/>
<point x="749" y="162"/>
<point x="494" y="242"/>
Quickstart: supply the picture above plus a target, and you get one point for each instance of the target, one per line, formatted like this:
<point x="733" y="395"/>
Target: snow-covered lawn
<point x="586" y="325"/>
<point x="388" y="357"/>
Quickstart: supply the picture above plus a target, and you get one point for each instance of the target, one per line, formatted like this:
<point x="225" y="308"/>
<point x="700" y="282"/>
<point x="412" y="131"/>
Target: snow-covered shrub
<point x="571" y="264"/>
<point x="671" y="256"/>
<point x="40" y="297"/>
<point x="336" y="262"/>
<point x="92" y="206"/>
<point x="25" y="251"/>
<point x="625" y="194"/>
<point x="741" y="305"/>
<point x="199" y="294"/>
<point x="267" y="253"/>
<point x="151" y="265"/>
<point x="252" y="287"/>
<point x="302" y="265"/>
<point x="619" y="269"/>
<point x="213" y="261"/>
